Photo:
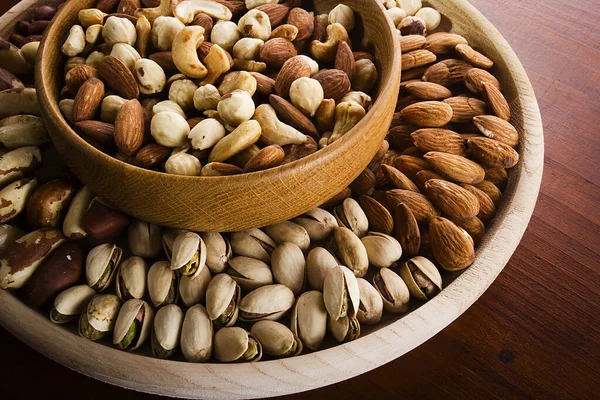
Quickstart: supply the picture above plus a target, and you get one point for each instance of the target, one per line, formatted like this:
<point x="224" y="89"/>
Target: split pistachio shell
<point x="166" y="332"/>
<point x="318" y="223"/>
<point x="249" y="273"/>
<point x="193" y="290"/>
<point x="383" y="250"/>
<point x="350" y="215"/>
<point x="222" y="299"/>
<point x="197" y="335"/>
<point x="73" y="223"/>
<point x="318" y="263"/>
<point x="277" y="340"/>
<point x="100" y="316"/>
<point x="69" y="304"/>
<point x="370" y="309"/>
<point x="162" y="284"/>
<point x="341" y="293"/>
<point x="101" y="265"/>
<point x="289" y="232"/>
<point x="145" y="239"/>
<point x="288" y="264"/>
<point x="8" y="235"/>
<point x="393" y="291"/>
<point x="189" y="254"/>
<point x="349" y="250"/>
<point x="168" y="238"/>
<point x="309" y="319"/>
<point x="131" y="278"/>
<point x="344" y="329"/>
<point x="422" y="278"/>
<point x="253" y="243"/>
<point x="133" y="324"/>
<point x="267" y="302"/>
<point x="236" y="344"/>
<point x="218" y="251"/>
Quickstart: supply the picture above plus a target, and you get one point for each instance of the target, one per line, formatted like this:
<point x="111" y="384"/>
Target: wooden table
<point x="535" y="332"/>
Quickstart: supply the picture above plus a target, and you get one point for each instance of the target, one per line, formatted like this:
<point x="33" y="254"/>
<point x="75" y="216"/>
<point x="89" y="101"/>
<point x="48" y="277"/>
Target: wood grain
<point x="533" y="333"/>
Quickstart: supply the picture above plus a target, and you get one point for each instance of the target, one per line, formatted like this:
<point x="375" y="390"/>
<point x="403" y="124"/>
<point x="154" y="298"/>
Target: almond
<point x="493" y="153"/>
<point x="397" y="179"/>
<point x="151" y="155"/>
<point x="165" y="60"/>
<point x="275" y="52"/>
<point x="292" y="69"/>
<point x="464" y="109"/>
<point x="379" y="156"/>
<point x="275" y="12"/>
<point x="269" y="157"/>
<point x="425" y="175"/>
<point x="302" y="20"/>
<point x="335" y="83"/>
<point x="204" y="21"/>
<point x="128" y="6"/>
<point x="344" y="59"/>
<point x="474" y="57"/>
<point x="129" y="128"/>
<point x="428" y="91"/>
<point x="452" y="246"/>
<point x="380" y="219"/>
<point x="498" y="176"/>
<point x="474" y="227"/>
<point x="412" y="42"/>
<point x="410" y="165"/>
<point x="497" y="129"/>
<point x="417" y="58"/>
<point x="107" y="5"/>
<point x="295" y="152"/>
<point x="491" y="190"/>
<point x="476" y="77"/>
<point x="236" y="7"/>
<point x="88" y="100"/>
<point x="100" y="131"/>
<point x="320" y="29"/>
<point x="364" y="184"/>
<point x="447" y="72"/>
<point x="456" y="168"/>
<point x="452" y="200"/>
<point x="220" y="169"/>
<point x="363" y="55"/>
<point x="337" y="199"/>
<point x="78" y="75"/>
<point x="264" y="85"/>
<point x="443" y="42"/>
<point x="427" y="114"/>
<point x="289" y="114"/>
<point x="407" y="230"/>
<point x="399" y="136"/>
<point x="419" y="204"/>
<point x="414" y="74"/>
<point x="118" y="77"/>
<point x="435" y="139"/>
<point x="487" y="208"/>
<point x="496" y="101"/>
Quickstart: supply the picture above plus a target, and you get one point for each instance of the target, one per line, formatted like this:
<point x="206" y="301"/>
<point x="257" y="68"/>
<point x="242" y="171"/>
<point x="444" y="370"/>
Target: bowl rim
<point x="328" y="366"/>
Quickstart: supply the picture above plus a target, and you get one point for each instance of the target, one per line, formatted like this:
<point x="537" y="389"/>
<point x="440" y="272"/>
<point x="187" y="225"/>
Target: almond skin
<point x="497" y="129"/>
<point x="295" y="152"/>
<point x="464" y="109"/>
<point x="487" y="208"/>
<point x="302" y="20"/>
<point x="474" y="57"/>
<point x="88" y="100"/>
<point x="78" y="75"/>
<point x="427" y="114"/>
<point x="452" y="246"/>
<point x="335" y="83"/>
<point x="491" y="190"/>
<point x="364" y="184"/>
<point x="496" y="101"/>
<point x="498" y="176"/>
<point x="119" y="78"/>
<point x="129" y="128"/>
<point x="419" y="204"/>
<point x="275" y="52"/>
<point x="289" y="114"/>
<point x="474" y="227"/>
<point x="411" y="165"/>
<point x="452" y="200"/>
<point x="380" y="219"/>
<point x="456" y="168"/>
<point x="100" y="131"/>
<point x="435" y="139"/>
<point x="269" y="157"/>
<point x="152" y="155"/>
<point x="493" y="153"/>
<point x="417" y="58"/>
<point x="344" y="59"/>
<point x="424" y="176"/>
<point x="447" y="72"/>
<point x="428" y="91"/>
<point x="397" y="179"/>
<point x="407" y="230"/>
<point x="476" y="77"/>
<point x="412" y="42"/>
<point x="276" y="13"/>
<point x="264" y="85"/>
<point x="443" y="42"/>
<point x="292" y="69"/>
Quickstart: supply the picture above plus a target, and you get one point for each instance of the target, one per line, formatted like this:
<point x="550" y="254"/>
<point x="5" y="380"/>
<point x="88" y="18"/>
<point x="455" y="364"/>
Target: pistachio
<point x="131" y="278"/>
<point x="344" y="329"/>
<point x="222" y="299"/>
<point x="253" y="243"/>
<point x="162" y="284"/>
<point x="318" y="263"/>
<point x="370" y="309"/>
<point x="383" y="250"/>
<point x="197" y="335"/>
<point x="340" y="293"/>
<point x="317" y="222"/>
<point x="277" y="340"/>
<point x="349" y="250"/>
<point x="288" y="264"/>
<point x="267" y="302"/>
<point x="422" y="278"/>
<point x="289" y="232"/>
<point x="99" y="317"/>
<point x="250" y="273"/>
<point x="350" y="215"/>
<point x="101" y="265"/>
<point x="166" y="331"/>
<point x="193" y="290"/>
<point x="145" y="239"/>
<point x="133" y="324"/>
<point x="69" y="304"/>
<point x="168" y="237"/>
<point x="393" y="291"/>
<point x="236" y="344"/>
<point x="189" y="254"/>
<point x="309" y="319"/>
<point x="218" y="251"/>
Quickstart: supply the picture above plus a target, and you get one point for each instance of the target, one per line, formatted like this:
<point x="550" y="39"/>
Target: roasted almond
<point x="428" y="91"/>
<point x="129" y="128"/>
<point x="498" y="176"/>
<point x="269" y="157"/>
<point x="491" y="190"/>
<point x="152" y="155"/>
<point x="452" y="246"/>
<point x="412" y="42"/>
<point x="464" y="109"/>
<point x="264" y="85"/>
<point x="417" y="58"/>
<point x="474" y="57"/>
<point x="452" y="200"/>
<point x="497" y="129"/>
<point x="335" y="83"/>
<point x="399" y="136"/>
<point x="289" y="114"/>
<point x="100" y="131"/>
<point x="379" y="156"/>
<point x="275" y="12"/>
<point x="493" y="153"/>
<point x="496" y="101"/>
<point x="474" y="227"/>
<point x="88" y="100"/>
<point x="407" y="230"/>
<point x="443" y="42"/>
<point x="456" y="168"/>
<point x="128" y="6"/>
<point x="292" y="69"/>
<point x="410" y="165"/>
<point x="476" y="77"/>
<point x="380" y="219"/>
<point x="364" y="184"/>
<point x="220" y="169"/>
<point x="487" y="208"/>
<point x="436" y="139"/>
<point x="397" y="179"/>
<point x="236" y="7"/>
<point x="427" y="114"/>
<point x="275" y="52"/>
<point x="447" y="72"/>
<point x="344" y="59"/>
<point x="419" y="204"/>
<point x="363" y="55"/>
<point x="119" y="78"/>
<point x="302" y="20"/>
<point x="425" y="175"/>
<point x="79" y="74"/>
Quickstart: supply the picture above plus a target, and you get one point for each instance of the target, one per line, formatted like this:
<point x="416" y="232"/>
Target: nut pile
<point x="382" y="244"/>
<point x="208" y="87"/>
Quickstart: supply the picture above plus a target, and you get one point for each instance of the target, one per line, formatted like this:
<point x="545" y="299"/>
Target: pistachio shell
<point x="349" y="250"/>
<point x="317" y="222"/>
<point x="350" y="215"/>
<point x="370" y="309"/>
<point x="253" y="243"/>
<point x="422" y="278"/>
<point x="318" y="262"/>
<point x="382" y="250"/>
<point x="101" y="265"/>
<point x="288" y="264"/>
<point x="218" y="251"/>
<point x="222" y="299"/>
<point x="393" y="291"/>
<point x="131" y="278"/>
<point x="167" y="329"/>
<point x="162" y="284"/>
<point x="341" y="293"/>
<point x="233" y="344"/>
<point x="277" y="340"/>
<point x="168" y="237"/>
<point x="192" y="291"/>
<point x="189" y="254"/>
<point x="267" y="302"/>
<point x="289" y="232"/>
<point x="344" y="329"/>
<point x="69" y="304"/>
<point x="136" y="313"/>
<point x="197" y="335"/>
<point x="250" y="273"/>
<point x="101" y="314"/>
<point x="309" y="319"/>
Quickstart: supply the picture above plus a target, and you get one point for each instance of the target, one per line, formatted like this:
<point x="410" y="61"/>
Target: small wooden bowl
<point x="378" y="344"/>
<point x="223" y="203"/>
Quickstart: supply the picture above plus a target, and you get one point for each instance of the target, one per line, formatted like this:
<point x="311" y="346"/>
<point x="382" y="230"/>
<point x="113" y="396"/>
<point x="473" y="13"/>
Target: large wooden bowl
<point x="388" y="340"/>
<point x="224" y="203"/>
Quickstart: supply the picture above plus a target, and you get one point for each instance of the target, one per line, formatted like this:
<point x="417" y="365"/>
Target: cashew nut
<point x="144" y="30"/>
<point x="360" y="97"/>
<point x="240" y="139"/>
<point x="347" y="115"/>
<point x="249" y="65"/>
<point x="184" y="52"/>
<point x="343" y="15"/>
<point x="66" y="108"/>
<point x="273" y="130"/>
<point x="165" y="8"/>
<point x="75" y="42"/>
<point x="250" y="4"/>
<point x="218" y="61"/>
<point x="286" y="31"/>
<point x="18" y="101"/>
<point x="325" y="52"/>
<point x="206" y="134"/>
<point x="91" y="16"/>
<point x="187" y="10"/>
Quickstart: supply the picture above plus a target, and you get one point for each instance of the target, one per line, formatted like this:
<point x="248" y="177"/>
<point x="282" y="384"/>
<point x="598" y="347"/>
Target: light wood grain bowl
<point x="229" y="203"/>
<point x="383" y="343"/>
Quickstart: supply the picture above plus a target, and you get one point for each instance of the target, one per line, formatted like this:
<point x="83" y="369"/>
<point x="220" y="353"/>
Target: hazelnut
<point x="412" y="26"/>
<point x="182" y="92"/>
<point x="206" y="134"/>
<point x="225" y="34"/>
<point x="95" y="59"/>
<point x="150" y="76"/>
<point x="126" y="53"/>
<point x="255" y="24"/>
<point x="410" y="7"/>
<point x="119" y="30"/>
<point x="110" y="107"/>
<point x="248" y="49"/>
<point x="169" y="129"/>
<point x="164" y="30"/>
<point x="206" y="98"/>
<point x="75" y="42"/>
<point x="183" y="164"/>
<point x="344" y="15"/>
<point x="168" y="105"/>
<point x="431" y="17"/>
<point x="396" y="14"/>
<point x="236" y="107"/>
<point x="365" y="77"/>
<point x="306" y="94"/>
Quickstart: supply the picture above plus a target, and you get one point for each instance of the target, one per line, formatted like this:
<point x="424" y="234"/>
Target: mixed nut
<point x="203" y="87"/>
<point x="382" y="244"/>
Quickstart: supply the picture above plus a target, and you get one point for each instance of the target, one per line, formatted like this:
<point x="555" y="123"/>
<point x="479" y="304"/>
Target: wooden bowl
<point x="229" y="203"/>
<point x="378" y="345"/>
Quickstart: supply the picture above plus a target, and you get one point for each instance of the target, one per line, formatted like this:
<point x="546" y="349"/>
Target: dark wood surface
<point x="535" y="332"/>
